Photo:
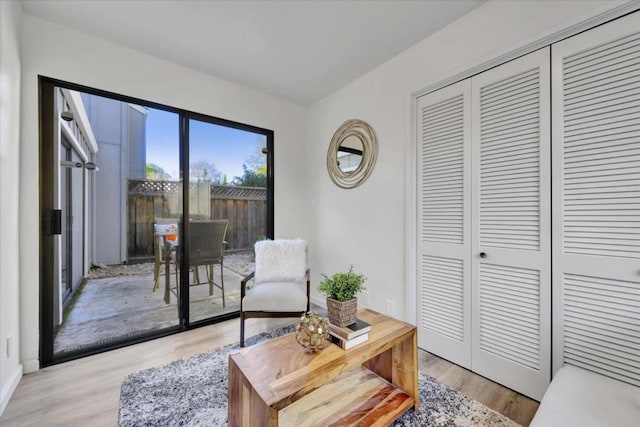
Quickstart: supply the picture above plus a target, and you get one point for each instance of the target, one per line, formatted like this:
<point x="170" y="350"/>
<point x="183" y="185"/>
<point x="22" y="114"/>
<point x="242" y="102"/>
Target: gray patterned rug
<point x="193" y="392"/>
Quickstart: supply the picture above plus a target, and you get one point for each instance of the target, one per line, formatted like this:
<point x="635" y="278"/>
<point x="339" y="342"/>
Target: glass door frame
<point x="185" y="118"/>
<point x="49" y="227"/>
<point x="66" y="234"/>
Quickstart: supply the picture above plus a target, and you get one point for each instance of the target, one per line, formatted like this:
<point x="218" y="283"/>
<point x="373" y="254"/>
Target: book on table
<point x="347" y="344"/>
<point x="351" y="331"/>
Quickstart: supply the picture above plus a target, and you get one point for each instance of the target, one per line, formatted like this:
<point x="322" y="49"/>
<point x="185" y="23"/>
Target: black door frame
<point x="188" y="115"/>
<point x="67" y="229"/>
<point x="46" y="87"/>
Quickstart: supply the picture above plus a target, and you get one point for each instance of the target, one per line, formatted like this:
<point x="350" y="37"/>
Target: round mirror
<point x="352" y="154"/>
<point x="349" y="155"/>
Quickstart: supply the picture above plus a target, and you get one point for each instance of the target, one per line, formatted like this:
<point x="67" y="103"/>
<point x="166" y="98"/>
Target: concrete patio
<point x="124" y="305"/>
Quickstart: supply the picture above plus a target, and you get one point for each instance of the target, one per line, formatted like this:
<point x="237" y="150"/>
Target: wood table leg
<point x="260" y="414"/>
<point x="382" y="365"/>
<point x="405" y="367"/>
<point x="244" y="406"/>
<point x="399" y="366"/>
<point x="234" y="402"/>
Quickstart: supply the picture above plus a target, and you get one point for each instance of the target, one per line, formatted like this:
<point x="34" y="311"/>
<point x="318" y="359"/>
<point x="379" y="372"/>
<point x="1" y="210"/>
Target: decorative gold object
<point x="312" y="332"/>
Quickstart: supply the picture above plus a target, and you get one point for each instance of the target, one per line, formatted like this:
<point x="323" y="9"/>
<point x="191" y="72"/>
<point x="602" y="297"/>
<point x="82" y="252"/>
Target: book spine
<point x="336" y="340"/>
<point x="347" y="344"/>
<point x="337" y="332"/>
<point x="350" y="334"/>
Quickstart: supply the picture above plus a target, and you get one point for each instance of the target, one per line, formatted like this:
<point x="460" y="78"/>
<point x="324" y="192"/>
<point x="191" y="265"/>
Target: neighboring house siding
<point x="76" y="143"/>
<point x="120" y="130"/>
<point x="137" y="136"/>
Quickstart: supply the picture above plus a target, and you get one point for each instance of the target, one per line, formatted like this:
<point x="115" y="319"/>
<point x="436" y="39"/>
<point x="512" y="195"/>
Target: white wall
<point x="307" y="203"/>
<point x="10" y="31"/>
<point x="366" y="226"/>
<point x="60" y="52"/>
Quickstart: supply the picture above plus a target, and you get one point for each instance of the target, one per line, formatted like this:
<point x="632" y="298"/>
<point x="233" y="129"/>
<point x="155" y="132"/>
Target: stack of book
<point x="350" y="335"/>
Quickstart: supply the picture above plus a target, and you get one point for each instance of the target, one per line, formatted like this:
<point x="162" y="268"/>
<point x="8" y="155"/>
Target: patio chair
<point x="279" y="282"/>
<point x="206" y="248"/>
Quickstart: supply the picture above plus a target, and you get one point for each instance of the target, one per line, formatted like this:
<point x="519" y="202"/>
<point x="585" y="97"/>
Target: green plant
<point x="259" y="238"/>
<point x="67" y="311"/>
<point x="342" y="286"/>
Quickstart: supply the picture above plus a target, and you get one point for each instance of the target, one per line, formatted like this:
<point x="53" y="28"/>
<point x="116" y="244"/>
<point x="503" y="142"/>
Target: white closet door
<point x="511" y="255"/>
<point x="443" y="223"/>
<point x="596" y="200"/>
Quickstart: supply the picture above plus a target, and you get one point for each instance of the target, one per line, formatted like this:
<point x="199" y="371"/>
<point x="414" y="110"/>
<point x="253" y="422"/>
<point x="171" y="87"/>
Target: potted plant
<point x="341" y="290"/>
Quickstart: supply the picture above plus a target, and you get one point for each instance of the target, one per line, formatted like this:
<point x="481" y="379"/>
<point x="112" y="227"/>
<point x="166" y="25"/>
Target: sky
<point x="226" y="148"/>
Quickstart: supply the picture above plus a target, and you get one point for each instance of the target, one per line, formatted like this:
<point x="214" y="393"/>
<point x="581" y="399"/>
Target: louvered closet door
<point x="443" y="223"/>
<point x="596" y="171"/>
<point x="511" y="257"/>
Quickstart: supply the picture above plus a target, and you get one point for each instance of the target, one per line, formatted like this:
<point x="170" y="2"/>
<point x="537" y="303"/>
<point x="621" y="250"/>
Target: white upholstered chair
<point x="281" y="282"/>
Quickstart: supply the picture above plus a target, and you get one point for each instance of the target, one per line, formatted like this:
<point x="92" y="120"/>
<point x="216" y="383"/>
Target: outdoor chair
<point x="206" y="248"/>
<point x="279" y="282"/>
<point x="167" y="229"/>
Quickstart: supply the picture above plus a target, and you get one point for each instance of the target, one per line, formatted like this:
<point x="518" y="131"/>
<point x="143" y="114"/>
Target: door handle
<point x="52" y="222"/>
<point x="483" y="255"/>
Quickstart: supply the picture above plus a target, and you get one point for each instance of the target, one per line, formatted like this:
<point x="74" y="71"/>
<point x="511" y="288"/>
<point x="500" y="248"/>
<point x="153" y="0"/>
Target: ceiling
<point x="300" y="51"/>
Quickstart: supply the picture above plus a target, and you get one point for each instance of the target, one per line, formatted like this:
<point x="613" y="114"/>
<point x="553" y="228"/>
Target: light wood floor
<point x="86" y="392"/>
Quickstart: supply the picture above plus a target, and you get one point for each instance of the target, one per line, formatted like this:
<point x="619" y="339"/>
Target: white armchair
<point x="279" y="282"/>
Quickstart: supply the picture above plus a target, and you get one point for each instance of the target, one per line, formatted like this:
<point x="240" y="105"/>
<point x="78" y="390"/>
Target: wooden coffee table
<point x="278" y="383"/>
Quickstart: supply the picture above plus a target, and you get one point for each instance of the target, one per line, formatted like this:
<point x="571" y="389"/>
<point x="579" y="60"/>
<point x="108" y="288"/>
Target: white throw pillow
<point x="280" y="261"/>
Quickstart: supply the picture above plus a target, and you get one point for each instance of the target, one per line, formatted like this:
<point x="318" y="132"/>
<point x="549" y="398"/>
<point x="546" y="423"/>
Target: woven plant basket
<point x="342" y="313"/>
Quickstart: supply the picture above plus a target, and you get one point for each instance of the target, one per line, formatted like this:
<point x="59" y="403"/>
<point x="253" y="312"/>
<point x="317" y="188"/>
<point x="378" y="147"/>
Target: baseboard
<point x="319" y="301"/>
<point x="32" y="365"/>
<point x="10" y="387"/>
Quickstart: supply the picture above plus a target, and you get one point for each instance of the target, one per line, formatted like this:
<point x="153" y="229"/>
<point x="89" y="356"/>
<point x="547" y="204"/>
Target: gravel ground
<point x="238" y="262"/>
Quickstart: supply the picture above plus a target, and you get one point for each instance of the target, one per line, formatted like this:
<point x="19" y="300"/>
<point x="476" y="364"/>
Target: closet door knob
<point x="483" y="255"/>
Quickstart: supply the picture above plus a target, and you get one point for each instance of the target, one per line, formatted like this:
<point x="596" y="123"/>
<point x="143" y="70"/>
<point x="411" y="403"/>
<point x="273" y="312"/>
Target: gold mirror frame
<point x="361" y="130"/>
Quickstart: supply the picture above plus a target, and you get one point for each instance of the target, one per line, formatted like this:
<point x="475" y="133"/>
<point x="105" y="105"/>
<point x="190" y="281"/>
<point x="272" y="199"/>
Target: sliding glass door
<point x="108" y="189"/>
<point x="150" y="214"/>
<point x="227" y="212"/>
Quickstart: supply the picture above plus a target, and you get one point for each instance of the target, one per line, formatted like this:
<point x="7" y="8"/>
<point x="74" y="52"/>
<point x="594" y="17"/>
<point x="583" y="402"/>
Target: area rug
<point x="193" y="392"/>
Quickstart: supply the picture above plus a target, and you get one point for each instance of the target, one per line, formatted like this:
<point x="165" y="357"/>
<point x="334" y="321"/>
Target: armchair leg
<point x="196" y="275"/>
<point x="221" y="282"/>
<point x="209" y="270"/>
<point x="308" y="291"/>
<point x="167" y="282"/>
<point x="241" y="329"/>
<point x="177" y="279"/>
<point x="156" y="276"/>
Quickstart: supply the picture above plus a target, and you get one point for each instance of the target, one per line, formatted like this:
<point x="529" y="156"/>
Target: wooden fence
<point x="244" y="207"/>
